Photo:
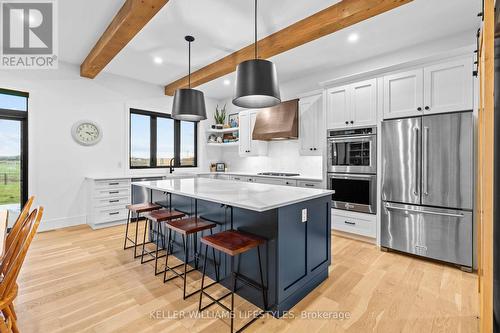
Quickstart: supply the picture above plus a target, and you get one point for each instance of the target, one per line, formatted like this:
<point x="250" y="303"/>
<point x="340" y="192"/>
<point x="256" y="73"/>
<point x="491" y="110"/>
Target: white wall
<point x="57" y="164"/>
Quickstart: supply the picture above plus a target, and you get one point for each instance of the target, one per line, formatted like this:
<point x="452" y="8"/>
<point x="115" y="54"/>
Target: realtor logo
<point x="29" y="34"/>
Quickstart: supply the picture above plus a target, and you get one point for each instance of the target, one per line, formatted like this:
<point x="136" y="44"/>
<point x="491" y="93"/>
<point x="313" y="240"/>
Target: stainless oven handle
<point x="362" y="138"/>
<point x="350" y="176"/>
<point x="388" y="206"/>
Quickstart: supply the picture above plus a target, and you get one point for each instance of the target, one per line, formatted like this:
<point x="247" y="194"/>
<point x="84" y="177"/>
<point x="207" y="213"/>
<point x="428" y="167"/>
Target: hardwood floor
<point x="80" y="280"/>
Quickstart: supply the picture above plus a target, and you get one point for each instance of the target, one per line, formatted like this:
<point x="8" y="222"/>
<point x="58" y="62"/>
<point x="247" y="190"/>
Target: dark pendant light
<point x="189" y="104"/>
<point x="256" y="81"/>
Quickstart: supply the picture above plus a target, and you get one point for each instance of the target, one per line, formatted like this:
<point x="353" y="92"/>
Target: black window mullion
<point x="177" y="142"/>
<point x="153" y="143"/>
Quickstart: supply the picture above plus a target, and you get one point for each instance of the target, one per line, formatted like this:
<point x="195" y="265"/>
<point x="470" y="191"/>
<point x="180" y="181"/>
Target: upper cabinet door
<point x="448" y="86"/>
<point x="364" y="103"/>
<point x="311" y="129"/>
<point x="404" y="94"/>
<point x="250" y="147"/>
<point x="339" y="100"/>
<point x="244" y="133"/>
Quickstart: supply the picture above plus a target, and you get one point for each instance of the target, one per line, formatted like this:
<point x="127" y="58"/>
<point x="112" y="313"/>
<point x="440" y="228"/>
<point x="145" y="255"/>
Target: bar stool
<point x="234" y="243"/>
<point x="137" y="209"/>
<point x="157" y="216"/>
<point x="187" y="227"/>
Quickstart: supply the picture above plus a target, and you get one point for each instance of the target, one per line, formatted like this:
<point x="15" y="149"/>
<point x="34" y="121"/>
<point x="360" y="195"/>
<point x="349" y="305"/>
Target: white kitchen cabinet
<point x="338" y="100"/>
<point x="448" y="86"/>
<point x="276" y="181"/>
<point x="354" y="223"/>
<point x="353" y="105"/>
<point x="248" y="146"/>
<point x="107" y="201"/>
<point x="311" y="125"/>
<point x="439" y="88"/>
<point x="403" y="94"/>
<point x="363" y="106"/>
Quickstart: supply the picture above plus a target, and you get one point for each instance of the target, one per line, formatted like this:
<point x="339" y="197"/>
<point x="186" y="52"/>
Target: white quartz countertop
<point x="252" y="196"/>
<point x="180" y="174"/>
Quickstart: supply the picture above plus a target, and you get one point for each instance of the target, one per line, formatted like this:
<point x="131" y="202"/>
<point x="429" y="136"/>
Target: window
<point x="156" y="138"/>
<point x="13" y="150"/>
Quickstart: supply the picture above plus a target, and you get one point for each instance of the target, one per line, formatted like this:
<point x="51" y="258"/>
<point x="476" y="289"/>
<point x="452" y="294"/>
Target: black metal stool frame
<point x="134" y="241"/>
<point x="183" y="275"/>
<point x="235" y="276"/>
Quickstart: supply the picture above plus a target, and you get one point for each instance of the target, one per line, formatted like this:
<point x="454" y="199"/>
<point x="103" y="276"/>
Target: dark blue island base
<point x="295" y="258"/>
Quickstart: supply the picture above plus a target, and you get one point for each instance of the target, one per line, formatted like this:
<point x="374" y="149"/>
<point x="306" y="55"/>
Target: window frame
<point x="153" y="149"/>
<point x="22" y="116"/>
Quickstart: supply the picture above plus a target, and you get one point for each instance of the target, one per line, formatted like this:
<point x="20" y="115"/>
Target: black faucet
<point x="171" y="166"/>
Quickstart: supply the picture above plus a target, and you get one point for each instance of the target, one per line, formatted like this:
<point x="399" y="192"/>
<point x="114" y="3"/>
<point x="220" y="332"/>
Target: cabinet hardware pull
<point x="346" y="122"/>
<point x="352" y="121"/>
<point x="114" y="200"/>
<point x="427" y="108"/>
<point x="113" y="183"/>
<point x="309" y="185"/>
<point x="114" y="213"/>
<point x="114" y="192"/>
<point x="350" y="223"/>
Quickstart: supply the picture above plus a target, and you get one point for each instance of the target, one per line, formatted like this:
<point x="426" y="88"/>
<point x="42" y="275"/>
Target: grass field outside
<point x="10" y="184"/>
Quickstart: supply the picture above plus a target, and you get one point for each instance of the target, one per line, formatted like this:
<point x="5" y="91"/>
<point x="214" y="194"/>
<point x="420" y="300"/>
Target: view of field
<point x="10" y="185"/>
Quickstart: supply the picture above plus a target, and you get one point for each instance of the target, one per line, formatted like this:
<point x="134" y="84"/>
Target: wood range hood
<point x="280" y="122"/>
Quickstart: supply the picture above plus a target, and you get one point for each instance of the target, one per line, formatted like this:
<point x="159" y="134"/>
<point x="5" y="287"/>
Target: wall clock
<point x="86" y="133"/>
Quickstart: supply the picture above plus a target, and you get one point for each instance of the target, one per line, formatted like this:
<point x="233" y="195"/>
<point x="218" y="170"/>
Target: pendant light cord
<point x="255" y="24"/>
<point x="189" y="66"/>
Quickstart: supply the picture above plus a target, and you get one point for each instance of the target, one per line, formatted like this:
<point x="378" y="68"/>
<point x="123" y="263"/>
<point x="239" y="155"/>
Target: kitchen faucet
<point x="171" y="166"/>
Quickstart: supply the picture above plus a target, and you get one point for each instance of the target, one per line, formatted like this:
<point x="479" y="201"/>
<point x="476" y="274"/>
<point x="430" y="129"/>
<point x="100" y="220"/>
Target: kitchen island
<point x="295" y="221"/>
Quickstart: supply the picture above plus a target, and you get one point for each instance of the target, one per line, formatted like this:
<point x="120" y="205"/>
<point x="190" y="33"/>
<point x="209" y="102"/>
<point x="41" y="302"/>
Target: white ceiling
<point x="224" y="26"/>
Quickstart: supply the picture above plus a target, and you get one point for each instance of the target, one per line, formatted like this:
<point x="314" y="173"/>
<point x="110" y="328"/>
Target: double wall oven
<point x="352" y="169"/>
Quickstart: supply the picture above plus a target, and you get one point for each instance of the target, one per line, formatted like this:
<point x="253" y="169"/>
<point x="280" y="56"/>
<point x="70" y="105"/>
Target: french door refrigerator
<point x="427" y="187"/>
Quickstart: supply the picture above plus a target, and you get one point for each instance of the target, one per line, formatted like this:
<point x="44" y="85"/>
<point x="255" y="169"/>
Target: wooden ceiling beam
<point x="129" y="20"/>
<point x="325" y="22"/>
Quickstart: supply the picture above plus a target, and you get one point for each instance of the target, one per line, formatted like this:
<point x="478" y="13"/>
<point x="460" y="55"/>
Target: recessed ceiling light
<point x="158" y="60"/>
<point x="227" y="82"/>
<point x="353" y="38"/>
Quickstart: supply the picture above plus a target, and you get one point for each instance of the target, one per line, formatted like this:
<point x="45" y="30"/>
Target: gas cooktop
<point x="278" y="174"/>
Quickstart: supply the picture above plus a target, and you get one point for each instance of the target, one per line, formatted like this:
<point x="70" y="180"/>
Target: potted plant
<point x="220" y="117"/>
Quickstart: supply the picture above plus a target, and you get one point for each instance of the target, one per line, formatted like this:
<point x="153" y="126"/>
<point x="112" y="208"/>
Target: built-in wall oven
<point x="356" y="192"/>
<point x="353" y="150"/>
<point x="352" y="169"/>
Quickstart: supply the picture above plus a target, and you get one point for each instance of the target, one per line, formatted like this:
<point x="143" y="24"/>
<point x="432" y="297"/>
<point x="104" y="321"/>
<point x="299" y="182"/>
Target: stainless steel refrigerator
<point x="427" y="187"/>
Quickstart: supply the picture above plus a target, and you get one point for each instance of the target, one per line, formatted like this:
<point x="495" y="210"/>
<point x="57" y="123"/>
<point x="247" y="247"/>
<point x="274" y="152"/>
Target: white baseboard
<point x="107" y="225"/>
<point x="63" y="222"/>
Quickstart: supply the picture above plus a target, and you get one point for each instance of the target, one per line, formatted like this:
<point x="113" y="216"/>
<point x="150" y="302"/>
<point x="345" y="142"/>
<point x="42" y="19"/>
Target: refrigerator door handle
<point x="416" y="162"/>
<point x="388" y="206"/>
<point x="425" y="161"/>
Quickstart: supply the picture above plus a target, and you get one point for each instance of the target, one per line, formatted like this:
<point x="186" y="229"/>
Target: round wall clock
<point x="86" y="132"/>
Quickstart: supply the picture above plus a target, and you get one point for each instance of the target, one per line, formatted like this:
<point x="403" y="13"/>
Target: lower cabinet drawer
<point x="354" y="223"/>
<point x="109" y="215"/>
<point x="303" y="183"/>
<point x="119" y="202"/>
<point x="111" y="192"/>
<point x="111" y="183"/>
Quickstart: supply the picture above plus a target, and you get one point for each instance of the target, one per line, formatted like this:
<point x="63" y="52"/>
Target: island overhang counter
<point x="295" y="221"/>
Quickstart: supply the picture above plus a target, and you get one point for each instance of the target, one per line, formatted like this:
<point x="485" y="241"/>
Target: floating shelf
<point x="227" y="144"/>
<point x="225" y="130"/>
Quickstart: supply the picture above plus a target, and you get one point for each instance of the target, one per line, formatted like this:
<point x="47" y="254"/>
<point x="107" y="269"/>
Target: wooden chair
<point x="22" y="216"/>
<point x="11" y="266"/>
